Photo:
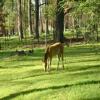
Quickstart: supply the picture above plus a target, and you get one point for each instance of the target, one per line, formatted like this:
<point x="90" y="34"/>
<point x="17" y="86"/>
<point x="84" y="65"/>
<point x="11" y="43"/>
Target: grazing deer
<point x="52" y="50"/>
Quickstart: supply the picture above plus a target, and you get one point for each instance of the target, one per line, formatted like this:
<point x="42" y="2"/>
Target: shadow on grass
<point x="84" y="68"/>
<point x="80" y="51"/>
<point x="83" y="60"/>
<point x="94" y="98"/>
<point x="5" y="54"/>
<point x="17" y="66"/>
<point x="38" y="53"/>
<point x="54" y="71"/>
<point x="11" y="96"/>
<point x="1" y="67"/>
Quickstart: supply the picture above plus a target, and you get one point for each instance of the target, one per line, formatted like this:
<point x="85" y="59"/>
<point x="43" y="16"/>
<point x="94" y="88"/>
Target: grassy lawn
<point x="23" y="77"/>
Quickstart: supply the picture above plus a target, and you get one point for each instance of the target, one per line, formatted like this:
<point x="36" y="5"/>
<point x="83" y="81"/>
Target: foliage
<point x="89" y="9"/>
<point x="1" y="3"/>
<point x="10" y="11"/>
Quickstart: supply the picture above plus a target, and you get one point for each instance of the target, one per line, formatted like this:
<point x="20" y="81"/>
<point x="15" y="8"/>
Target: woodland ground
<point x="23" y="77"/>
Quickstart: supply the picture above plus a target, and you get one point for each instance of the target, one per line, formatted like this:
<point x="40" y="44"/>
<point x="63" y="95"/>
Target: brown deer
<point x="52" y="50"/>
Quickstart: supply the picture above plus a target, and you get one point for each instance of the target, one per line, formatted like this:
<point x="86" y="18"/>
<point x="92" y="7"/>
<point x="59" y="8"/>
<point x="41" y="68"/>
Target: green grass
<point x="23" y="77"/>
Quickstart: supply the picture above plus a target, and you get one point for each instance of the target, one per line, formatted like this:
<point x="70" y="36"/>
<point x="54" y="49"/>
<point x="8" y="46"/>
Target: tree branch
<point x="68" y="10"/>
<point x="42" y="4"/>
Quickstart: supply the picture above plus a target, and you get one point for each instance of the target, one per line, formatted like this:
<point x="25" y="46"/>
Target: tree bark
<point x="29" y="17"/>
<point x="46" y="11"/>
<point x="59" y="24"/>
<point x="37" y="19"/>
<point x="20" y="29"/>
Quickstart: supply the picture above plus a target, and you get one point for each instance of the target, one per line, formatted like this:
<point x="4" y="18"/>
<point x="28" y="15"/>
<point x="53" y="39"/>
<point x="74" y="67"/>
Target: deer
<point x="56" y="49"/>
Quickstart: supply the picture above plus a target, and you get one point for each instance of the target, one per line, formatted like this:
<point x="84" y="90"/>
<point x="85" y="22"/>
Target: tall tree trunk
<point x="23" y="8"/>
<point x="13" y="29"/>
<point x="46" y="4"/>
<point x="47" y="28"/>
<point x="37" y="19"/>
<point x="29" y="17"/>
<point x="20" y="29"/>
<point x="59" y="24"/>
<point x="97" y="27"/>
<point x="41" y="21"/>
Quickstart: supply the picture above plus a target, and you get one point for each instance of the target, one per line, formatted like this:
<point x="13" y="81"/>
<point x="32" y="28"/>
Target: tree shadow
<point x="37" y="55"/>
<point x="83" y="60"/>
<point x="94" y="98"/>
<point x="11" y="96"/>
<point x="82" y="68"/>
<point x="81" y="51"/>
<point x="1" y="67"/>
<point x="5" y="54"/>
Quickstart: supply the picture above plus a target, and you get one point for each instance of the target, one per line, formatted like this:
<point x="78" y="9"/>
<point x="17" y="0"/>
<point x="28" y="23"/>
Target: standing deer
<point x="52" y="50"/>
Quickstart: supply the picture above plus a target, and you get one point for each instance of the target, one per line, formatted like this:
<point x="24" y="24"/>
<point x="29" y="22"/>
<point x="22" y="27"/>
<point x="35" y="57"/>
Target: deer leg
<point x="62" y="62"/>
<point x="58" y="61"/>
<point x="46" y="65"/>
<point x="45" y="68"/>
<point x="50" y="63"/>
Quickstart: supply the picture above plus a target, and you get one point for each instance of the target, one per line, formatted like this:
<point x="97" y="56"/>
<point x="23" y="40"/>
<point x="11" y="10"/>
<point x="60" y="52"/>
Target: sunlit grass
<point x="23" y="77"/>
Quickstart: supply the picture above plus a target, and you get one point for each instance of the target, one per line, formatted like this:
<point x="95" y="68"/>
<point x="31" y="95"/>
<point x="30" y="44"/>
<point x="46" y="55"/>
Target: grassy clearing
<point x="23" y="77"/>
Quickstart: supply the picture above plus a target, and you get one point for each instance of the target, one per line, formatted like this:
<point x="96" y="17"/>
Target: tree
<point x="10" y="16"/>
<point x="37" y="19"/>
<point x="29" y="17"/>
<point x="2" y="27"/>
<point x="59" y="23"/>
<point x="46" y="10"/>
<point x="91" y="9"/>
<point x="20" y="29"/>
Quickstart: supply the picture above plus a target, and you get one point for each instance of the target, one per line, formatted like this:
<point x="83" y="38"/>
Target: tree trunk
<point x="13" y="29"/>
<point x="29" y="17"/>
<point x="41" y="21"/>
<point x="24" y="21"/>
<point x="47" y="29"/>
<point x="59" y="24"/>
<point x="37" y="19"/>
<point x="20" y="29"/>
<point x="46" y="11"/>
